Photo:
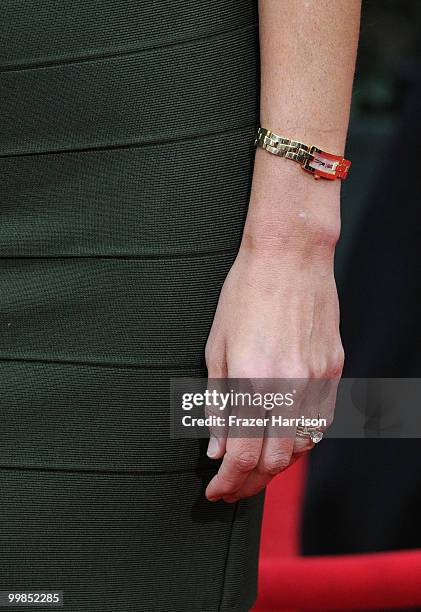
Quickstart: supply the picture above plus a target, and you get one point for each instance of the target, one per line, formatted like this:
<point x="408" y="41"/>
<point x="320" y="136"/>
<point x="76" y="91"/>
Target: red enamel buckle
<point x="326" y="165"/>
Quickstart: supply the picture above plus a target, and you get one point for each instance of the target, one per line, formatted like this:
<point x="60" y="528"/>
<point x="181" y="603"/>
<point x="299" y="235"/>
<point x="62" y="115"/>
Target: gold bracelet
<point x="312" y="159"/>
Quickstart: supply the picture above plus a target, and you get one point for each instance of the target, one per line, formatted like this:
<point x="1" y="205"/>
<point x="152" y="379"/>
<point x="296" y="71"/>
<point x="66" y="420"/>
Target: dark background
<point x="389" y="58"/>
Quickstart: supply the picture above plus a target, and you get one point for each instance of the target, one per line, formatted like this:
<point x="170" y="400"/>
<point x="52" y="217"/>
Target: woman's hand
<point x="277" y="317"/>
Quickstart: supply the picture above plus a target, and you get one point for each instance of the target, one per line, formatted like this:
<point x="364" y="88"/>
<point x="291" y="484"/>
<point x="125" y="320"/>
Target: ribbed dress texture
<point x="126" y="157"/>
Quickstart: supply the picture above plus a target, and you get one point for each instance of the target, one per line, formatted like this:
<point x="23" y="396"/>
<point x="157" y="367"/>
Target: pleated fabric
<point x="126" y="156"/>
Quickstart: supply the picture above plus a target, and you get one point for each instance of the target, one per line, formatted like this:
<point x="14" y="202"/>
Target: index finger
<point x="243" y="443"/>
<point x="241" y="457"/>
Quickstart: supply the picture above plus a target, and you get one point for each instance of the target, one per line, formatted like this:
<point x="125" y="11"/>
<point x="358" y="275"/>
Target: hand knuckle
<point x="211" y="359"/>
<point x="329" y="367"/>
<point x="215" y="363"/>
<point x="263" y="369"/>
<point x="208" y="351"/>
<point x="245" y="461"/>
<point x="335" y="361"/>
<point x="318" y="370"/>
<point x="275" y="463"/>
<point x="212" y="347"/>
<point x="295" y="369"/>
<point x="333" y="369"/>
<point x="249" y="368"/>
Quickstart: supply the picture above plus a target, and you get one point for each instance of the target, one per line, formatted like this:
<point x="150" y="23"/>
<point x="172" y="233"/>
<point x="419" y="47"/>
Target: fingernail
<point x="213" y="447"/>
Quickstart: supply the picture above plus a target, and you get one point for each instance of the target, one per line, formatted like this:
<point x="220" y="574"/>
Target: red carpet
<point x="290" y="583"/>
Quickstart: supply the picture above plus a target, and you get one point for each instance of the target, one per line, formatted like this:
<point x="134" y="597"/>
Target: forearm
<point x="308" y="52"/>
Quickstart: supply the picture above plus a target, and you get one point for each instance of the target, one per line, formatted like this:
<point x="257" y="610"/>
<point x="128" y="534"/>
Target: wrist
<point x="283" y="244"/>
<point x="269" y="262"/>
<point x="289" y="209"/>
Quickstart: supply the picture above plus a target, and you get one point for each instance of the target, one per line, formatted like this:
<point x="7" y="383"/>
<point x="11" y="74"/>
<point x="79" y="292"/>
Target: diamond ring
<point x="314" y="433"/>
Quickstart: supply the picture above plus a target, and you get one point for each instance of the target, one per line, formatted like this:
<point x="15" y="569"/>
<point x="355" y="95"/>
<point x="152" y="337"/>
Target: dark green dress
<point x="126" y="154"/>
